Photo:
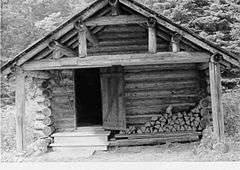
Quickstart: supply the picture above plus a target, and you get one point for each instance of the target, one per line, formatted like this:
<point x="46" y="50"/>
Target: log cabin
<point x="119" y="74"/>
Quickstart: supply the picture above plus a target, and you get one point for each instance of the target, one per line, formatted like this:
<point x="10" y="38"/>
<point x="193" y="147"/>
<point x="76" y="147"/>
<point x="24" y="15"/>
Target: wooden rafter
<point x="59" y="50"/>
<point x="116" y="20"/>
<point x="121" y="59"/>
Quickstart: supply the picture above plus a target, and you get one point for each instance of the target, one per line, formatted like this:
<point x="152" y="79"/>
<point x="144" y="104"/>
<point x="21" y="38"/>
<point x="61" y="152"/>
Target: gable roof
<point x="60" y="31"/>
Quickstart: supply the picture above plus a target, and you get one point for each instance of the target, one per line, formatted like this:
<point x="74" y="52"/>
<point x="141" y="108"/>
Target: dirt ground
<point x="159" y="153"/>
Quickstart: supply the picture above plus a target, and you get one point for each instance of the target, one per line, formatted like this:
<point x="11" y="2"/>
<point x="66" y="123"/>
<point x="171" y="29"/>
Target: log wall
<point x="149" y="90"/>
<point x="63" y="100"/>
<point x="120" y="39"/>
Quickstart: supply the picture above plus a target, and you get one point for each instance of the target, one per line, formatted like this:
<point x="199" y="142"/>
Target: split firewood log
<point x="169" y="109"/>
<point x="160" y="129"/>
<point x="157" y="126"/>
<point x="154" y="118"/>
<point x="139" y="131"/>
<point x="179" y="115"/>
<point x="143" y="129"/>
<point x="157" y="122"/>
<point x="147" y="124"/>
<point x="152" y="123"/>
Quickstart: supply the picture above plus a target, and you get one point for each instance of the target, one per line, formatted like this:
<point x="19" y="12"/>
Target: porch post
<point x="20" y="108"/>
<point x="216" y="96"/>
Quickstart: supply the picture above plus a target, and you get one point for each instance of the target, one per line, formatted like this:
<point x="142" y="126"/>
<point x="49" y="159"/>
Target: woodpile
<point x="44" y="120"/>
<point x="173" y="122"/>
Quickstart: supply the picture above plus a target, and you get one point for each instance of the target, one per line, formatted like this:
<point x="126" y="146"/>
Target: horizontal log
<point x="177" y="134"/>
<point x="162" y="67"/>
<point x="152" y="141"/>
<point x="39" y="116"/>
<point x="164" y="101"/>
<point x="119" y="42"/>
<point x="156" y="108"/>
<point x="115" y="20"/>
<point x="39" y="74"/>
<point x="48" y="120"/>
<point x="174" y="96"/>
<point x="123" y="48"/>
<point x="123" y="59"/>
<point x="123" y="28"/>
<point x="134" y="87"/>
<point x="38" y="125"/>
<point x="160" y="75"/>
<point x="159" y="94"/>
<point x="122" y="36"/>
<point x="48" y="130"/>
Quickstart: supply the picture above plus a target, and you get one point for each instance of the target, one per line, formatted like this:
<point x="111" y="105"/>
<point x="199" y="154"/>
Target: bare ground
<point x="160" y="153"/>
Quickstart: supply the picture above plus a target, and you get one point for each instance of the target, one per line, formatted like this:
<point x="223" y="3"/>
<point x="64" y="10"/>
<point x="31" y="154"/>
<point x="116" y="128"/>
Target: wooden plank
<point x="157" y="135"/>
<point x="20" y="109"/>
<point x="113" y="100"/>
<point x="152" y="141"/>
<point x="175" y="43"/>
<point x="138" y="8"/>
<point x="115" y="20"/>
<point x="152" y="37"/>
<point x="59" y="50"/>
<point x="122" y="59"/>
<point x="82" y="43"/>
<point x="216" y="98"/>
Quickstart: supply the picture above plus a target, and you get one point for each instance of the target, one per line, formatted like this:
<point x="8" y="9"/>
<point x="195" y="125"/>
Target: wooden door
<point x="112" y="89"/>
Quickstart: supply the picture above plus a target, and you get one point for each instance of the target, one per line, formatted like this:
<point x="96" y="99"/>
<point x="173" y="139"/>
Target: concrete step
<point x="79" y="149"/>
<point x="81" y="139"/>
<point x="81" y="134"/>
<point x="90" y="137"/>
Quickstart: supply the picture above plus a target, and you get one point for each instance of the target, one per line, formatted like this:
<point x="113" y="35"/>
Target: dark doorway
<point x="88" y="97"/>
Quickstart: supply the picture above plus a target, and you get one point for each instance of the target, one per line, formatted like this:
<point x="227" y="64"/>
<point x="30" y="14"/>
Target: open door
<point x="113" y="109"/>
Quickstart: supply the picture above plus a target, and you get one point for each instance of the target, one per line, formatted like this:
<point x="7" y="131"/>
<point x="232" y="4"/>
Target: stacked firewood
<point x="169" y="122"/>
<point x="44" y="123"/>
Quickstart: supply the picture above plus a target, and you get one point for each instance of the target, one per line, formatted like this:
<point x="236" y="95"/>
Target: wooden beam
<point x="116" y="20"/>
<point x="121" y="59"/>
<point x="82" y="38"/>
<point x="80" y="26"/>
<point x="175" y="40"/>
<point x="152" y="37"/>
<point x="114" y="7"/>
<point x="216" y="96"/>
<point x="138" y="8"/>
<point x="20" y="108"/>
<point x="59" y="50"/>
